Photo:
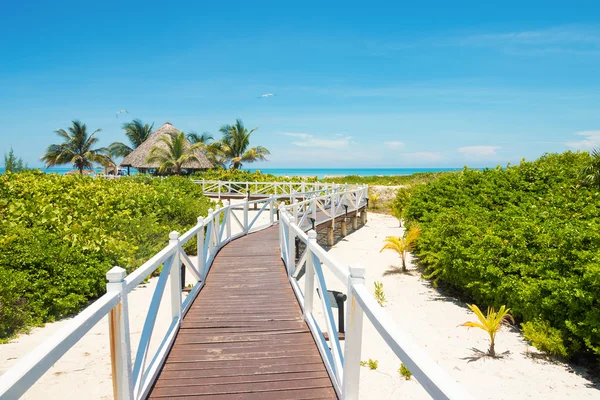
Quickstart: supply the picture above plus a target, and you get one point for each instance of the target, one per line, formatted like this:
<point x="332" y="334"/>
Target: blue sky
<point x="369" y="84"/>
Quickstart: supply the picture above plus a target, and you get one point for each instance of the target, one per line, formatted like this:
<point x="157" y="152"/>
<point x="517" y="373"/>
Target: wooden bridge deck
<point x="244" y="336"/>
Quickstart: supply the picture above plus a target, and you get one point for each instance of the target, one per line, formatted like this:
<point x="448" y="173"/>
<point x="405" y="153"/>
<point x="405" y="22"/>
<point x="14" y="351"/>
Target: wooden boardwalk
<point x="244" y="336"/>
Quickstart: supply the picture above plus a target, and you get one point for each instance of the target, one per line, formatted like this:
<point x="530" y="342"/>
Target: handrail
<point x="135" y="381"/>
<point x="344" y="369"/>
<point x="212" y="233"/>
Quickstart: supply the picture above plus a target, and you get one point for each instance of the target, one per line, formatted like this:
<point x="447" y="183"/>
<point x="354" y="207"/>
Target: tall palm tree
<point x="590" y="174"/>
<point x="178" y="151"/>
<point x="234" y="146"/>
<point x="78" y="148"/>
<point x="137" y="132"/>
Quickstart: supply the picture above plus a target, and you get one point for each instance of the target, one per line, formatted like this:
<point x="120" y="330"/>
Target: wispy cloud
<point x="394" y="144"/>
<point x="421" y="156"/>
<point x="308" y="140"/>
<point x="591" y="140"/>
<point x="572" y="39"/>
<point x="479" y="151"/>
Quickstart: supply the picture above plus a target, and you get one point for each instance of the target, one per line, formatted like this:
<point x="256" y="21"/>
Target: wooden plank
<point x="244" y="336"/>
<point x="239" y="388"/>
<point x="292" y="394"/>
<point x="241" y="371"/>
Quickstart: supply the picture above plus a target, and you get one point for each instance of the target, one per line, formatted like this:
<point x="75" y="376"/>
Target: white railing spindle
<point x="353" y="343"/>
<point x="175" y="277"/>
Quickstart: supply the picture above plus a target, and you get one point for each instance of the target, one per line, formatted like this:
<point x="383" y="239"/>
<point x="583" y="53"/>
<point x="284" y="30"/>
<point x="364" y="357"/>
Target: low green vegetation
<point x="379" y="293"/>
<point x="490" y="323"/>
<point x="527" y="236"/>
<point x="396" y="180"/>
<point x="12" y="163"/>
<point x="60" y="234"/>
<point x="403" y="245"/>
<point x="404" y="372"/>
<point x="372" y="364"/>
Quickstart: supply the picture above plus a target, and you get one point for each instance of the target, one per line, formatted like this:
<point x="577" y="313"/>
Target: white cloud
<point x="299" y="135"/>
<point x="479" y="151"/>
<point x="340" y="141"/>
<point x="592" y="139"/>
<point x="394" y="144"/>
<point x="421" y="156"/>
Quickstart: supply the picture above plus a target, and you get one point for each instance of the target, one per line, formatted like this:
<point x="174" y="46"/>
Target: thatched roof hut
<point x="137" y="158"/>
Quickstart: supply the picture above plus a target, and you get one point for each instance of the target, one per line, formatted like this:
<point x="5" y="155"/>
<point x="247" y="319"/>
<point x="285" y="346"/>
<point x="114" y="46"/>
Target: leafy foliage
<point x="544" y="337"/>
<point x="77" y="149"/>
<point x="490" y="323"/>
<point x="590" y="173"/>
<point x="178" y="151"/>
<point x="60" y="234"/>
<point x="234" y="147"/>
<point x="13" y="163"/>
<point x="527" y="236"/>
<point x="401" y="201"/>
<point x="405" y="372"/>
<point x="137" y="132"/>
<point x="379" y="294"/>
<point x="404" y="244"/>
<point x="394" y="180"/>
<point x="372" y="364"/>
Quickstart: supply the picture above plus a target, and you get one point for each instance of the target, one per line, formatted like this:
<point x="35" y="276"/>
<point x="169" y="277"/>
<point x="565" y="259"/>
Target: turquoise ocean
<point x="319" y="172"/>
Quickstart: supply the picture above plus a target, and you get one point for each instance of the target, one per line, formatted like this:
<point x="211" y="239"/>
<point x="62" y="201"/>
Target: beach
<point x="431" y="319"/>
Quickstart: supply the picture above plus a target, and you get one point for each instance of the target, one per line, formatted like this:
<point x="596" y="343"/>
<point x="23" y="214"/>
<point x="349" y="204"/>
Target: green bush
<point x="393" y="180"/>
<point x="60" y="234"/>
<point x="545" y="337"/>
<point x="527" y="236"/>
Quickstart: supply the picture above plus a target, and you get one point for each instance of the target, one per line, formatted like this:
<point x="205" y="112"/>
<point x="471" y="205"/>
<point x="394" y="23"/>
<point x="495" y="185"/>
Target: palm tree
<point x="403" y="244"/>
<point x="590" y="174"/>
<point x="490" y="323"/>
<point x="178" y="151"/>
<point x="203" y="138"/>
<point x="137" y="132"/>
<point x="76" y="149"/>
<point x="234" y="146"/>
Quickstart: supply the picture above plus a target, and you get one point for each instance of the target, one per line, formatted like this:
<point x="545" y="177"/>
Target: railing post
<point x="120" y="346"/>
<point x="295" y="211"/>
<point x="227" y="216"/>
<point x="217" y="215"/>
<point x="309" y="276"/>
<point x="175" y="278"/>
<point x="272" y="209"/>
<point x="354" y="328"/>
<point x="200" y="243"/>
<point x="291" y="248"/>
<point x="313" y="207"/>
<point x="245" y="203"/>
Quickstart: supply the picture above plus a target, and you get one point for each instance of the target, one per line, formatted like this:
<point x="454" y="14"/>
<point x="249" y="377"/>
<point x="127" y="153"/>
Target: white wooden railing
<point x="322" y="203"/>
<point x="134" y="380"/>
<point x="243" y="189"/>
<point x="344" y="366"/>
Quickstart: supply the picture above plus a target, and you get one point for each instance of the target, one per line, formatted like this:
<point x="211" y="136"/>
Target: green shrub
<point x="545" y="337"/>
<point x="527" y="236"/>
<point x="372" y="364"/>
<point x="405" y="372"/>
<point x="393" y="180"/>
<point x="60" y="234"/>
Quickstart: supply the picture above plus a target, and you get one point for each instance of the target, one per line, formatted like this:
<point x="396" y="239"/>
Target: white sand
<point x="432" y="321"/>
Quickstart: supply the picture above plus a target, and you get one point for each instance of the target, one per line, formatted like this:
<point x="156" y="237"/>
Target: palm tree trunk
<point x="404" y="262"/>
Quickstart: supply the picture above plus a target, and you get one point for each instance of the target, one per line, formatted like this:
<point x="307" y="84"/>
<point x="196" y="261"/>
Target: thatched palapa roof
<point x="137" y="158"/>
